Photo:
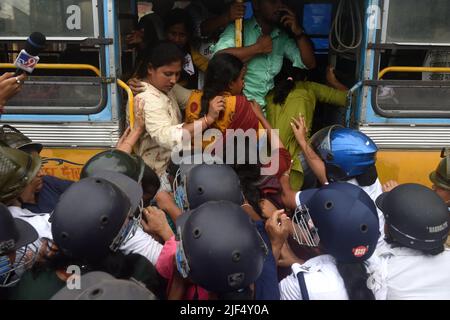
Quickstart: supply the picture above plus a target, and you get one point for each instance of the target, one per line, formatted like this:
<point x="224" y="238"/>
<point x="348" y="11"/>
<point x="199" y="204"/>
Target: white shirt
<point x="410" y="275"/>
<point x="373" y="191"/>
<point x="322" y="279"/>
<point x="324" y="282"/>
<point x="141" y="243"/>
<point x="39" y="221"/>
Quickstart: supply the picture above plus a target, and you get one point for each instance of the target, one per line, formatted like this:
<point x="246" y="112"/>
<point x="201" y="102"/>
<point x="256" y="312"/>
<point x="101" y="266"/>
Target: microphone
<point x="28" y="57"/>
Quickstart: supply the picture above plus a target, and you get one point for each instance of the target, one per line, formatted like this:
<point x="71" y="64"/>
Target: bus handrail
<point x="238" y="30"/>
<point x="74" y="66"/>
<point x="412" y="69"/>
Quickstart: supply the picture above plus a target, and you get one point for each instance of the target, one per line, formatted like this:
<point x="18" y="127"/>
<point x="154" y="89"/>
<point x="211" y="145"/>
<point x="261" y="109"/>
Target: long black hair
<point x="248" y="172"/>
<point x="161" y="54"/>
<point x="285" y="82"/>
<point x="355" y="280"/>
<point x="223" y="69"/>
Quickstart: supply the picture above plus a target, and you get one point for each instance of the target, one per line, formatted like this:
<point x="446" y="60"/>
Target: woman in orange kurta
<point x="224" y="77"/>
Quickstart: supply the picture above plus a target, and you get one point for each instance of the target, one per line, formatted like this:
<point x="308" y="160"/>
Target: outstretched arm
<point x="314" y="161"/>
<point x="333" y="81"/>
<point x="131" y="136"/>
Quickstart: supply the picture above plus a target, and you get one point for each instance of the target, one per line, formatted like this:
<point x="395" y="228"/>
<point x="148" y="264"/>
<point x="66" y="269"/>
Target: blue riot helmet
<point x="342" y="218"/>
<point x="347" y="153"/>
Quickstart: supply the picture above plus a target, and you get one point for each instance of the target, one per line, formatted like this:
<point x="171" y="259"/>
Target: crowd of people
<point x="152" y="219"/>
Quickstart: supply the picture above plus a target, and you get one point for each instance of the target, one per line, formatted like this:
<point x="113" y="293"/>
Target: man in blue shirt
<point x="265" y="45"/>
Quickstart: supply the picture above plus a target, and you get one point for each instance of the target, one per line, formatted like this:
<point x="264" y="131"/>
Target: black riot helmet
<point x="117" y="161"/>
<point x="416" y="216"/>
<point x="219" y="248"/>
<point x="96" y="215"/>
<point x="212" y="182"/>
<point x="16" y="236"/>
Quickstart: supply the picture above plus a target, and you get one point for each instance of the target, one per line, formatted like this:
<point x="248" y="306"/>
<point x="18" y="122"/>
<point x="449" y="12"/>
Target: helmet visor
<point x="305" y="232"/>
<point x="179" y="191"/>
<point x="129" y="228"/>
<point x="10" y="272"/>
<point x="180" y="257"/>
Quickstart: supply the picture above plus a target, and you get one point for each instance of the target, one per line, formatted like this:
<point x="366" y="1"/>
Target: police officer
<point x="133" y="167"/>
<point x="414" y="260"/>
<point x="219" y="248"/>
<point x="336" y="154"/>
<point x="340" y="221"/>
<point x="43" y="192"/>
<point x="130" y="165"/>
<point x="92" y="220"/>
<point x="441" y="177"/>
<point x="17" y="251"/>
<point x="196" y="185"/>
<point x="17" y="170"/>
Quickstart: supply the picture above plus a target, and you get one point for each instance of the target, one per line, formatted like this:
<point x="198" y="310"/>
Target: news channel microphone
<point x="28" y="57"/>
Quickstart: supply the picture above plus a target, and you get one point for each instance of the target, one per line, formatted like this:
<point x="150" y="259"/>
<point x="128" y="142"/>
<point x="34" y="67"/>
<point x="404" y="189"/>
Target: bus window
<point x="414" y="34"/>
<point x="66" y="25"/>
<point x="417" y="21"/>
<point x="55" y="19"/>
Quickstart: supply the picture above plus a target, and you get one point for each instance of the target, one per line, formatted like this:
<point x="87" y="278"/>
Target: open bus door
<point x="72" y="102"/>
<point x="404" y="101"/>
<point x="396" y="55"/>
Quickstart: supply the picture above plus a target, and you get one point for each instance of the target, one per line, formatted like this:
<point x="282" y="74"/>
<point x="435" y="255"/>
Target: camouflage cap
<point x="17" y="169"/>
<point x="13" y="138"/>
<point x="441" y="176"/>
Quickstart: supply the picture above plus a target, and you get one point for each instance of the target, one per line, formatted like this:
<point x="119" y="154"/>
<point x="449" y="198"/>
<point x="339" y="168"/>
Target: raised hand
<point x="216" y="105"/>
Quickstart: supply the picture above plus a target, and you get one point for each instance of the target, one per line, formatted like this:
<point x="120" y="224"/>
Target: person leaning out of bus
<point x="265" y="45"/>
<point x="159" y="74"/>
<point x="293" y="95"/>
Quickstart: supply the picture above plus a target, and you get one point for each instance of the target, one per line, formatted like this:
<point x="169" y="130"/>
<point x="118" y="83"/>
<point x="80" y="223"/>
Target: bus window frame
<point x="378" y="47"/>
<point x="96" y="23"/>
<point x="66" y="110"/>
<point x="99" y="41"/>
<point x="384" y="27"/>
